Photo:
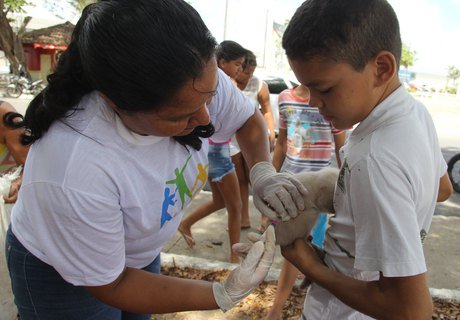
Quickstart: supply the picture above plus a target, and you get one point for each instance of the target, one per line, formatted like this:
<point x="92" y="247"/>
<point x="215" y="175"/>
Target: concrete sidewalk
<point x="442" y="250"/>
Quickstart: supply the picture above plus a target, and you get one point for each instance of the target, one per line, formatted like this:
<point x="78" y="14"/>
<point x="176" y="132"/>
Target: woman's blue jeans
<point x="41" y="293"/>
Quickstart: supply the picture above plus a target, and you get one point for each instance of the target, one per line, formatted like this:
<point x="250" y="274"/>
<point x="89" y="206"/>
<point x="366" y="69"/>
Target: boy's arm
<point x="339" y="141"/>
<point x="280" y="149"/>
<point x="386" y="298"/>
<point x="445" y="188"/>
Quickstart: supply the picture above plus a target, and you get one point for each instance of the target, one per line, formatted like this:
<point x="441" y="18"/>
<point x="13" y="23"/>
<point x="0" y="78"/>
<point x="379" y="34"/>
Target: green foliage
<point x="451" y="90"/>
<point x="15" y="5"/>
<point x="453" y="72"/>
<point x="407" y="56"/>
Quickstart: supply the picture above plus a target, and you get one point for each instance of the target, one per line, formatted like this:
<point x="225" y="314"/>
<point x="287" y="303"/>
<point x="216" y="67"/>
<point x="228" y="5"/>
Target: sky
<point x="431" y="28"/>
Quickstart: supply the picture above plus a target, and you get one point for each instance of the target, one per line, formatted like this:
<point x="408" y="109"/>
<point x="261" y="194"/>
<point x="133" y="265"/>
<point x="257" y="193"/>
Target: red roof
<point x="54" y="37"/>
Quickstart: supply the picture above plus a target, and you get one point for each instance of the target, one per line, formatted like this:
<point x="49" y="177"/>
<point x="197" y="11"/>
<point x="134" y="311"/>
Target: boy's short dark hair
<point x="350" y="31"/>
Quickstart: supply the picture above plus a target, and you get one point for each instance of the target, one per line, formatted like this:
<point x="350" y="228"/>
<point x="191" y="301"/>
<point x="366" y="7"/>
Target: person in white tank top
<point x="223" y="178"/>
<point x="257" y="91"/>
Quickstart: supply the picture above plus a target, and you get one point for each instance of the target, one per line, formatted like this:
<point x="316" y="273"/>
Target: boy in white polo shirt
<point x="393" y="172"/>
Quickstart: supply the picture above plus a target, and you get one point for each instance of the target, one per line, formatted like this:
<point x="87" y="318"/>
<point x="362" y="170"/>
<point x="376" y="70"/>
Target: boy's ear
<point x="385" y="67"/>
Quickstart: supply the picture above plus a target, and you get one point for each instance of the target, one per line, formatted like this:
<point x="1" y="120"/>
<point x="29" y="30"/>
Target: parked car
<point x="275" y="86"/>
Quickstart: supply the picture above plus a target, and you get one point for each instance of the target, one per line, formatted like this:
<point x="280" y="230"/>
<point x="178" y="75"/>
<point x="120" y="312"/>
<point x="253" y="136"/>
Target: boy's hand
<point x="302" y="255"/>
<point x="279" y="196"/>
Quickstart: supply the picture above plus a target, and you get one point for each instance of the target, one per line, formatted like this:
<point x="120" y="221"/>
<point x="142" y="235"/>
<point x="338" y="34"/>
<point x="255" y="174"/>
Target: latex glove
<point x="243" y="248"/>
<point x="279" y="196"/>
<point x="252" y="271"/>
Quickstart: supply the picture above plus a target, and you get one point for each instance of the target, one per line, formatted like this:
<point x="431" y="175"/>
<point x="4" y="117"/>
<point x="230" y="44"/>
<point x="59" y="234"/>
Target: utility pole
<point x="225" y="19"/>
<point x="266" y="38"/>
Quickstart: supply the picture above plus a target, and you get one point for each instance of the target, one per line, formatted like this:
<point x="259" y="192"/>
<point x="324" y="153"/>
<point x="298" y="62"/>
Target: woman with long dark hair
<point x="117" y="154"/>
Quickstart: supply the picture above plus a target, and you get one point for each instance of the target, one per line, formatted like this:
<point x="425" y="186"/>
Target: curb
<point x="181" y="261"/>
<point x="176" y="260"/>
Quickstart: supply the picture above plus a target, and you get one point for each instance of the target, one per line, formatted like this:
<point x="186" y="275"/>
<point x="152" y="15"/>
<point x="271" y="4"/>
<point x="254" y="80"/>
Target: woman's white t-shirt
<point x="97" y="197"/>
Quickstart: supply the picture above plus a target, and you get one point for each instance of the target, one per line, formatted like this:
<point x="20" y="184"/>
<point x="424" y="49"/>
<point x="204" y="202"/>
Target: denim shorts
<point x="220" y="162"/>
<point x="41" y="293"/>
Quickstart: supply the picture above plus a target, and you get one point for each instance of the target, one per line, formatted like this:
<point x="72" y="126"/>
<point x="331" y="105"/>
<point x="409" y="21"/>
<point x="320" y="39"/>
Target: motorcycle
<point x="453" y="169"/>
<point x="20" y="85"/>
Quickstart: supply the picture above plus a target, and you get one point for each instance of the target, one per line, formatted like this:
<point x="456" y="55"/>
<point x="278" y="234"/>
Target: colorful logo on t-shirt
<point x="181" y="189"/>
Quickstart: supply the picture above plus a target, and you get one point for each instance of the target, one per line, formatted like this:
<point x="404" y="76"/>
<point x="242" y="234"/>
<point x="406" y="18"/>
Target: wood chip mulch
<point x="256" y="305"/>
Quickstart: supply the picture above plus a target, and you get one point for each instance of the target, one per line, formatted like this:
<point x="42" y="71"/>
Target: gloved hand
<point x="252" y="271"/>
<point x="277" y="195"/>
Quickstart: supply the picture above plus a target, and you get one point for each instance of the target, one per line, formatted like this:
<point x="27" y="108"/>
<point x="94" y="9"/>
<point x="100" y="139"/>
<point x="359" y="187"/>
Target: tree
<point x="453" y="73"/>
<point x="11" y="40"/>
<point x="407" y="56"/>
<point x="11" y="36"/>
<point x="407" y="59"/>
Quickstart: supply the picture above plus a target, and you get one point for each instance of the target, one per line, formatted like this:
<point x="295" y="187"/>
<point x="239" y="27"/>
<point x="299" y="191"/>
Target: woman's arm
<point x="253" y="141"/>
<point x="278" y="195"/>
<point x="264" y="100"/>
<point x="144" y="292"/>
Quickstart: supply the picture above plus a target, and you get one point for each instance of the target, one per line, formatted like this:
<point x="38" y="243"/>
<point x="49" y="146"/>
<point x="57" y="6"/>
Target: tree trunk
<point x="11" y="43"/>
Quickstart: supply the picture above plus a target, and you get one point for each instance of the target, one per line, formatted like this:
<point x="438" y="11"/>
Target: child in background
<point x="348" y="54"/>
<point x="304" y="143"/>
<point x="256" y="90"/>
<point x="12" y="157"/>
<point x="222" y="176"/>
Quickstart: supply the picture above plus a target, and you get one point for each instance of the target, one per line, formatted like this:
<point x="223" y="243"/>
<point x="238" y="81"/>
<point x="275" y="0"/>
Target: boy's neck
<point x="388" y="90"/>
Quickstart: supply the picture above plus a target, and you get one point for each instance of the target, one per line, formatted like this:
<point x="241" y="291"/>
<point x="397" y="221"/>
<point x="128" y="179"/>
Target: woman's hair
<point x="230" y="50"/>
<point x="137" y="53"/>
<point x="350" y="31"/>
<point x="250" y="60"/>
